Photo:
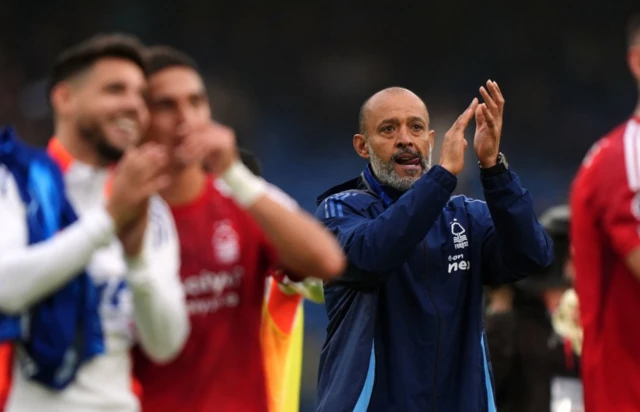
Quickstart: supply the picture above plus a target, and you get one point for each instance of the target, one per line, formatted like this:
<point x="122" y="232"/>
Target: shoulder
<point x="354" y="200"/>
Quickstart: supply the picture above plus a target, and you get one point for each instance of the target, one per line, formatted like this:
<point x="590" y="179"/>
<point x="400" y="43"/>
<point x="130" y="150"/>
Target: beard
<point x="93" y="132"/>
<point x="386" y="171"/>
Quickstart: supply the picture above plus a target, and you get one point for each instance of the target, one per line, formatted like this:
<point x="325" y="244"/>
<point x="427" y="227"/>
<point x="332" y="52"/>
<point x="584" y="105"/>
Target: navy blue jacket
<point x="405" y="320"/>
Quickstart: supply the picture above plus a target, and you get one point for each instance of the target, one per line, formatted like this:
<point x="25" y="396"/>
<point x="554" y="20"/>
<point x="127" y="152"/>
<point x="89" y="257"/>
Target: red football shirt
<point x="224" y="260"/>
<point x="605" y="228"/>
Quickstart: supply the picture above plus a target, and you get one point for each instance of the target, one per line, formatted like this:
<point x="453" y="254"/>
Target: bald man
<point x="405" y="320"/>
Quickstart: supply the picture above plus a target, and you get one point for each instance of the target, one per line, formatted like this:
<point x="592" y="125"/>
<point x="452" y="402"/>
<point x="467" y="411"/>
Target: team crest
<point x="460" y="240"/>
<point x="226" y="243"/>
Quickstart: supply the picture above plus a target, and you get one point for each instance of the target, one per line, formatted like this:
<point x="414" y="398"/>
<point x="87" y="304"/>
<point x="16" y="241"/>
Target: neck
<point x="637" y="112"/>
<point x="185" y="187"/>
<point x="78" y="147"/>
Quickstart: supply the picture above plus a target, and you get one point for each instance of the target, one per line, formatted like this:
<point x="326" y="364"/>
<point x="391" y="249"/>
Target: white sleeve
<point x="162" y="321"/>
<point x="29" y="273"/>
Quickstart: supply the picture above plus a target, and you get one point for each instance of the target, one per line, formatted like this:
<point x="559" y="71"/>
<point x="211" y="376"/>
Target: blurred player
<point x="282" y="329"/>
<point x="86" y="287"/>
<point x="223" y="225"/>
<point x="534" y="369"/>
<point x="605" y="235"/>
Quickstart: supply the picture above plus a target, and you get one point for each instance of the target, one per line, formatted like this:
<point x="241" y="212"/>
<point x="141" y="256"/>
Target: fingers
<point x="463" y="120"/>
<point x="496" y="94"/>
<point x="143" y="163"/>
<point x="488" y="117"/>
<point x="488" y="100"/>
<point x="155" y="185"/>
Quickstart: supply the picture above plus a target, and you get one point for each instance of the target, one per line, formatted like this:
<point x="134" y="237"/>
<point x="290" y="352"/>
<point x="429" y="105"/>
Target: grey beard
<point x="385" y="171"/>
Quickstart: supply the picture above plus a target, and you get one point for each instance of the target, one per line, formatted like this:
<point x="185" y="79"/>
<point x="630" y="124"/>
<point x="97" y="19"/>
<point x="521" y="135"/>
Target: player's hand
<point x="212" y="144"/>
<point x="132" y="235"/>
<point x="489" y="125"/>
<point x="454" y="143"/>
<point x="139" y="174"/>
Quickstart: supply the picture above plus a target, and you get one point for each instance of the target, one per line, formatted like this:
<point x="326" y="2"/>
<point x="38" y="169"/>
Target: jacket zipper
<point x="435" y="369"/>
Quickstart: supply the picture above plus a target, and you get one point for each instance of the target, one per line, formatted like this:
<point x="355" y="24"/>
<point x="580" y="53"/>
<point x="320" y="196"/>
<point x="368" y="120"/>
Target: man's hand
<point x="213" y="144"/>
<point x="139" y="174"/>
<point x="132" y="236"/>
<point x="454" y="143"/>
<point x="489" y="125"/>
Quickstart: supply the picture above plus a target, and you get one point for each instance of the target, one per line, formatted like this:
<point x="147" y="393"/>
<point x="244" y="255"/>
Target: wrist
<point x="246" y="188"/>
<point x="486" y="164"/>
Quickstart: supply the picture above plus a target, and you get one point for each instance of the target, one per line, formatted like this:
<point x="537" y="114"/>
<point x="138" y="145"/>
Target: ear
<point x="432" y="138"/>
<point x="62" y="99"/>
<point x="633" y="60"/>
<point x="360" y="144"/>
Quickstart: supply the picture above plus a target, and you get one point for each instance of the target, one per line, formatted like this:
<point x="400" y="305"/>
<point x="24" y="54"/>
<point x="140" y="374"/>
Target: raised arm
<point x="384" y="243"/>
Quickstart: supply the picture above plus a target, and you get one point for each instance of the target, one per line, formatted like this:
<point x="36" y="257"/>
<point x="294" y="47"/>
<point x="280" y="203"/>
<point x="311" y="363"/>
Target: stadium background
<point x="290" y="77"/>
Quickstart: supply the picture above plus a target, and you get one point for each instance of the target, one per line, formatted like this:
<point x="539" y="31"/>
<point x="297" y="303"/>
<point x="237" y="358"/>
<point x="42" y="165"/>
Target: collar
<point x="64" y="159"/>
<point x="387" y="194"/>
<point x="56" y="150"/>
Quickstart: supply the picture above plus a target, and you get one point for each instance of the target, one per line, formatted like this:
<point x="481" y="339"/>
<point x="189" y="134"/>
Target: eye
<point x="387" y="129"/>
<point x="417" y="127"/>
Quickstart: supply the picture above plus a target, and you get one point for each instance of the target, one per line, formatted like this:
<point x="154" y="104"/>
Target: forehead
<point x="395" y="105"/>
<point x="175" y="82"/>
<point x="113" y="69"/>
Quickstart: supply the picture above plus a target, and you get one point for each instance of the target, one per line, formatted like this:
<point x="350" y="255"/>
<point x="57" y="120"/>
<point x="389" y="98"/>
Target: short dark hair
<point x="251" y="161"/>
<point x="633" y="29"/>
<point x="82" y="56"/>
<point x="163" y="57"/>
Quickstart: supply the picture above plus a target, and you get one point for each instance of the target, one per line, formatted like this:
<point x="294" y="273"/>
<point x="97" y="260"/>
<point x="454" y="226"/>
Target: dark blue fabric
<point x="412" y="291"/>
<point x="64" y="330"/>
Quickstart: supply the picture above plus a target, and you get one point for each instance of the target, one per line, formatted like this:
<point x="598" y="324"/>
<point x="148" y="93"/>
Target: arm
<point x="514" y="243"/>
<point x="29" y="274"/>
<point x="302" y="244"/>
<point x="160" y="311"/>
<point x="620" y="205"/>
<point x="384" y="243"/>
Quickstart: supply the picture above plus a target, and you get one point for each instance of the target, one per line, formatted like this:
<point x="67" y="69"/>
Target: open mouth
<point x="408" y="159"/>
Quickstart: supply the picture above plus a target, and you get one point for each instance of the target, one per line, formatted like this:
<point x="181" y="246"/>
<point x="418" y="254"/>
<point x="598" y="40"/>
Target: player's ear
<point x="360" y="144"/>
<point x="633" y="60"/>
<point x="432" y="138"/>
<point x="61" y="99"/>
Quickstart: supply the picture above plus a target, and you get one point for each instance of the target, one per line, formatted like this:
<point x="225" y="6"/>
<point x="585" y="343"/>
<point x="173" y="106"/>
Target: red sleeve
<point x="619" y="193"/>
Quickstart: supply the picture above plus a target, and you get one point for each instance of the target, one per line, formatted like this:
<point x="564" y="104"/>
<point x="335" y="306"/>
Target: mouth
<point x="125" y="128"/>
<point x="408" y="161"/>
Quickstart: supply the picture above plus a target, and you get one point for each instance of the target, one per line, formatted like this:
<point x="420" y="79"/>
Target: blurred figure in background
<point x="97" y="270"/>
<point x="534" y="369"/>
<point x="605" y="236"/>
<point x="233" y="228"/>
<point x="282" y="331"/>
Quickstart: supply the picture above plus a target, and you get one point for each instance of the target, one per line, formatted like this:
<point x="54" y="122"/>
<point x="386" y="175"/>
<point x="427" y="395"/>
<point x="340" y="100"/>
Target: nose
<point x="404" y="139"/>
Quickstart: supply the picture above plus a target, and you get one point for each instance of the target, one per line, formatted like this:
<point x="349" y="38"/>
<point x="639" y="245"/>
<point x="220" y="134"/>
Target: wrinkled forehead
<point x="397" y="105"/>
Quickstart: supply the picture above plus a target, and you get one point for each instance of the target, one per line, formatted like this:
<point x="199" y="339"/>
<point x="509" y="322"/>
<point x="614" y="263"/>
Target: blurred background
<point x="290" y="77"/>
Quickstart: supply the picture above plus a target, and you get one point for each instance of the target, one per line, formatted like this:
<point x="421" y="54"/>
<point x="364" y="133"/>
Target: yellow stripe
<point x="283" y="361"/>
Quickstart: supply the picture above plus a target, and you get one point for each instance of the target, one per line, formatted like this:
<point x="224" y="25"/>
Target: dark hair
<point x="633" y="29"/>
<point x="162" y="57"/>
<point x="251" y="161"/>
<point x="82" y="56"/>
